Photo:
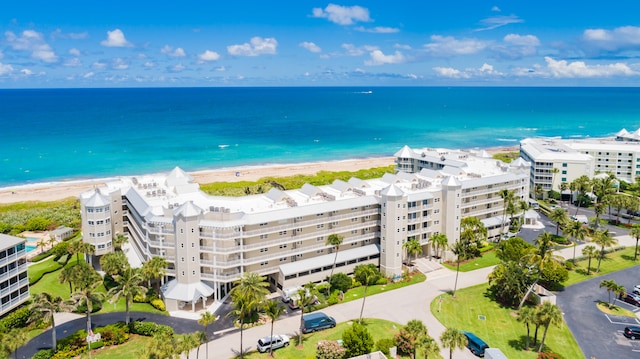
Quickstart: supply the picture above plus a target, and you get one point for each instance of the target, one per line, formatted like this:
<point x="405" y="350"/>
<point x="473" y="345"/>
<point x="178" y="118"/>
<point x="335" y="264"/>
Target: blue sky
<point x="310" y="43"/>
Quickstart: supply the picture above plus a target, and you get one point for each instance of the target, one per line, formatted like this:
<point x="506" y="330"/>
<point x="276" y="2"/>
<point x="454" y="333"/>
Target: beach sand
<point x="59" y="190"/>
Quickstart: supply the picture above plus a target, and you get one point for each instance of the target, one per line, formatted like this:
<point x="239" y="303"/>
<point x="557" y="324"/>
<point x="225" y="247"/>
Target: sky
<point x="140" y="43"/>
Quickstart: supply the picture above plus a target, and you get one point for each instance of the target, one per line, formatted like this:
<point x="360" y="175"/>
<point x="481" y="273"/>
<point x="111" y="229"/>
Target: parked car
<point x="316" y="321"/>
<point x="275" y="342"/>
<point x="631" y="298"/>
<point x="632" y="332"/>
<point x="636" y="289"/>
<point x="475" y="344"/>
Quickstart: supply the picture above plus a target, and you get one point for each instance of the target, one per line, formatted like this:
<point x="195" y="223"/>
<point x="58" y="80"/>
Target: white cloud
<point x="450" y="72"/>
<point x="449" y="46"/>
<point x="169" y="51"/>
<point x="88" y="74"/>
<point x="379" y="58"/>
<point x="99" y="65"/>
<point x="579" y="69"/>
<point x="495" y="8"/>
<point x="119" y="64"/>
<point x="209" y="56"/>
<point x="620" y="38"/>
<point x="5" y="69"/>
<point x="69" y="35"/>
<point x="26" y="72"/>
<point x="73" y="62"/>
<point x="494" y="22"/>
<point x="522" y="40"/>
<point x="32" y="41"/>
<point x="74" y="52"/>
<point x="310" y="46"/>
<point x="257" y="46"/>
<point x="516" y="46"/>
<point x="342" y="15"/>
<point x="378" y="30"/>
<point x="115" y="38"/>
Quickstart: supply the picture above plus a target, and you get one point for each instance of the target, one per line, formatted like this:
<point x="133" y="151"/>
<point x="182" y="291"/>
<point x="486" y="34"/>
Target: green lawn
<point x="41" y="268"/>
<point x="611" y="263"/>
<point x="358" y="293"/>
<point x="614" y="310"/>
<point x="488" y="259"/>
<point x="499" y="327"/>
<point x="125" y="351"/>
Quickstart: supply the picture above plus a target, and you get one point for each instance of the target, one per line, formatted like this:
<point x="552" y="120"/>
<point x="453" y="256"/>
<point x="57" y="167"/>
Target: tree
<point x="635" y="233"/>
<point x="440" y="242"/>
<point x="589" y="252"/>
<point x="428" y="345"/>
<point x="612" y="287"/>
<point x="472" y="234"/>
<point x="548" y="314"/>
<point x="412" y="247"/>
<point x="118" y="241"/>
<point x="251" y="286"/>
<point x="114" y="263"/>
<point x="527" y="316"/>
<point x="335" y="241"/>
<point x="45" y="306"/>
<point x="416" y="329"/>
<point x="273" y="310"/>
<point x="367" y="274"/>
<point x="202" y="339"/>
<point x="127" y="287"/>
<point x="41" y="244"/>
<point x="66" y="276"/>
<point x="341" y="282"/>
<point x="206" y="319"/>
<point x="603" y="239"/>
<point x="514" y="249"/>
<point x="188" y="342"/>
<point x="576" y="231"/>
<point x="558" y="215"/>
<point x="453" y="339"/>
<point x="155" y="268"/>
<point x="17" y="338"/>
<point x="509" y="282"/>
<point x="304" y="299"/>
<point x="582" y="185"/>
<point x="89" y="295"/>
<point x="243" y="307"/>
<point x="357" y="340"/>
<point x="543" y="242"/>
<point x="508" y="197"/>
<point x="458" y="249"/>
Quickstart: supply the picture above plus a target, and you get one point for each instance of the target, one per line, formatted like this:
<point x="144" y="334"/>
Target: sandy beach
<point x="52" y="191"/>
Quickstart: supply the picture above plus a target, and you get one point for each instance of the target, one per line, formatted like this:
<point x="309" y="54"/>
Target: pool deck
<point x="38" y="236"/>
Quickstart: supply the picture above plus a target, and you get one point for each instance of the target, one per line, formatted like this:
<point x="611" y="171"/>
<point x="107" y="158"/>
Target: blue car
<point x="475" y="344"/>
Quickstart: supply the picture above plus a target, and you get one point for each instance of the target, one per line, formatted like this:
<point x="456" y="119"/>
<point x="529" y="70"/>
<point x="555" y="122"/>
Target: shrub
<point x="114" y="334"/>
<point x="382" y="281"/>
<point x="158" y="304"/>
<point x="404" y="341"/>
<point x="384" y="344"/>
<point x="149" y="329"/>
<point x="550" y="355"/>
<point x="333" y="298"/>
<point x="341" y="282"/>
<point x="357" y="340"/>
<point x="60" y="249"/>
<point x="19" y="318"/>
<point x="329" y="349"/>
<point x="41" y="256"/>
<point x="569" y="265"/>
<point x="43" y="354"/>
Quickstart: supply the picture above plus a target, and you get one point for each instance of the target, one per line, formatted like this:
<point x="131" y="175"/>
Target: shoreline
<point x="52" y="191"/>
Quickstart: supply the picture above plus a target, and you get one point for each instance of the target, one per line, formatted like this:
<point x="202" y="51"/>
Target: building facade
<point x="211" y="241"/>
<point x="14" y="281"/>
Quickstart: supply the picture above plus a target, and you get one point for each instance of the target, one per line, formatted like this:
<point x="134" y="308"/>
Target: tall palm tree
<point x="635" y="233"/>
<point x="66" y="276"/>
<point x="417" y="329"/>
<point x="527" y="316"/>
<point x="548" y="314"/>
<point x="576" y="231"/>
<point x="543" y="241"/>
<point x="119" y="240"/>
<point x="303" y="301"/>
<point x="558" y="215"/>
<point x="45" y="306"/>
<point x="412" y="247"/>
<point x="610" y="285"/>
<point x="243" y="307"/>
<point x="563" y="186"/>
<point x="459" y="250"/>
<point x="427" y="345"/>
<point x="334" y="240"/>
<point x="273" y="310"/>
<point x="127" y="287"/>
<point x="202" y="339"/>
<point x="188" y="342"/>
<point x="155" y="268"/>
<point x="368" y="276"/>
<point x="206" y="319"/>
<point x="581" y="184"/>
<point x="252" y="287"/>
<point x="440" y="242"/>
<point x="453" y="339"/>
<point x="589" y="252"/>
<point x="75" y="247"/>
<point x="114" y="263"/>
<point x="89" y="295"/>
<point x="507" y="198"/>
<point x="603" y="239"/>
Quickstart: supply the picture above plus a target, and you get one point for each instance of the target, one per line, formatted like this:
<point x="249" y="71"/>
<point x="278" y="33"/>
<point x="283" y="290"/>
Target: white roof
<point x="186" y="292"/>
<point x="7" y="241"/>
<point x="97" y="200"/>
<point x="327" y="259"/>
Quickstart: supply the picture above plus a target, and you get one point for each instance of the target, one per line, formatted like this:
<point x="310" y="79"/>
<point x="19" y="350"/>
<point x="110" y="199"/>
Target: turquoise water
<point x="65" y="134"/>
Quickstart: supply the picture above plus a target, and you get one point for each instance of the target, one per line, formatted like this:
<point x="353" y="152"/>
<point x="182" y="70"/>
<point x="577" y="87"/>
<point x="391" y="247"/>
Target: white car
<point x="275" y="342"/>
<point x="636" y="289"/>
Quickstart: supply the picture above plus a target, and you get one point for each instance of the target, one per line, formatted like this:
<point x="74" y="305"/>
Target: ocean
<point x="72" y="134"/>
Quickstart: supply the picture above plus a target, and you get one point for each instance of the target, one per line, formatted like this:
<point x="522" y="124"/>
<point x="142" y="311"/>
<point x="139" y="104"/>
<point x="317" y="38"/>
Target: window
<point x="264" y="236"/>
<point x="320" y="239"/>
<point x="263" y="224"/>
<point x="564" y="172"/>
<point x="564" y="165"/>
<point x="320" y="226"/>
<point x="282" y="233"/>
<point x="262" y="250"/>
<point x="283" y="246"/>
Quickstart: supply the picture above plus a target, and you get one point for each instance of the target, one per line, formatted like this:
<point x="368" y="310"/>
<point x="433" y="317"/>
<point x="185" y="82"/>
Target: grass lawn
<point x="611" y="263"/>
<point x="125" y="351"/>
<point x="614" y="310"/>
<point x="358" y="293"/>
<point x="488" y="259"/>
<point x="42" y="268"/>
<point x="499" y="327"/>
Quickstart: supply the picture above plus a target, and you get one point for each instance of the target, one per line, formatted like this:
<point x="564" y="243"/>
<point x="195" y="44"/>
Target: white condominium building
<point x="572" y="158"/>
<point x="14" y="281"/>
<point x="210" y="241"/>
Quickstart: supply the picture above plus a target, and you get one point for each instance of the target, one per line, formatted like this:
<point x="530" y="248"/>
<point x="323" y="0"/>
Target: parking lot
<point x="600" y="335"/>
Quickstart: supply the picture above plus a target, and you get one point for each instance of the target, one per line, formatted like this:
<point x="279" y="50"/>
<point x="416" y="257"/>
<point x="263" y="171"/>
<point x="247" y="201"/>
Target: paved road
<point x="597" y="334"/>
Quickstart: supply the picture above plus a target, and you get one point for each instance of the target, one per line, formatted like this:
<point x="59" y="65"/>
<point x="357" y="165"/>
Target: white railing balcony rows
<point x="13" y="272"/>
<point x="15" y="301"/>
<point x="12" y="257"/>
<point x="14" y="287"/>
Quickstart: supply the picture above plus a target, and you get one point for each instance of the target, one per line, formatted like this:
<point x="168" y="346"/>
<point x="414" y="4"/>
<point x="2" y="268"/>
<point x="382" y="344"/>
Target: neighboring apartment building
<point x="14" y="281"/>
<point x="210" y="241"/>
<point x="572" y="158"/>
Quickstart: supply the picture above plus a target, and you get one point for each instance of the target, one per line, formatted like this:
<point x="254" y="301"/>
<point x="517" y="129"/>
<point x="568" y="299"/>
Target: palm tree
<point x="507" y="198"/>
<point x="581" y="184"/>
<point x="459" y="250"/>
<point x="417" y="329"/>
<point x="453" y="339"/>
<point x="252" y="287"/>
<point x="428" y="345"/>
<point x="45" y="306"/>
<point x="412" y="247"/>
<point x="558" y="215"/>
<point x="155" y="268"/>
<point x="41" y="244"/>
<point x="563" y="186"/>
<point x="527" y="316"/>
<point x="189" y="342"/>
<point x="19" y="337"/>
<point x="66" y="276"/>
<point x="273" y="310"/>
<point x="611" y="286"/>
<point x="589" y="252"/>
<point x="368" y="276"/>
<point x="127" y="287"/>
<point x="202" y="339"/>
<point x="635" y="233"/>
<point x="205" y="320"/>
<point x="603" y="239"/>
<point x="543" y="241"/>
<point x="118" y="241"/>
<point x="548" y="314"/>
<point x="243" y="307"/>
<point x="88" y="296"/>
<point x="304" y="299"/>
<point x="554" y="171"/>
<point x="334" y="240"/>
<point x="439" y="241"/>
<point x="576" y="231"/>
<point x="114" y="263"/>
<point x="75" y="247"/>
